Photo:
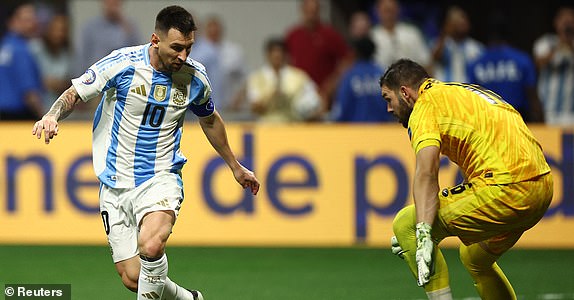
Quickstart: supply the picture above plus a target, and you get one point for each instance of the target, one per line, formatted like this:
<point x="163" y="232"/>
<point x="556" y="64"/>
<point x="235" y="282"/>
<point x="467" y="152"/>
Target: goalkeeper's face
<point x="172" y="48"/>
<point x="398" y="105"/>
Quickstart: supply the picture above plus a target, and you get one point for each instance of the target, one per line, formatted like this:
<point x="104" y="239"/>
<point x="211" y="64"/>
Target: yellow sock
<point x="489" y="280"/>
<point x="404" y="229"/>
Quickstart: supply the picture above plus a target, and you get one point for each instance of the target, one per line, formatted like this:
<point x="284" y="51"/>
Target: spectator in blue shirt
<point x="508" y="72"/>
<point x="20" y="80"/>
<point x="358" y="97"/>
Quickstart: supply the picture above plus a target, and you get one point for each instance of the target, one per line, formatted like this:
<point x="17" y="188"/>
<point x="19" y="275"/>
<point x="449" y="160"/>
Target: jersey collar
<point x="146" y="54"/>
<point x="427" y="84"/>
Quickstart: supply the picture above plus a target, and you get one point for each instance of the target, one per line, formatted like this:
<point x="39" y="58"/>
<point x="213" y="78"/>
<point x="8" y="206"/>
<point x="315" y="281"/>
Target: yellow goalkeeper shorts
<point x="494" y="214"/>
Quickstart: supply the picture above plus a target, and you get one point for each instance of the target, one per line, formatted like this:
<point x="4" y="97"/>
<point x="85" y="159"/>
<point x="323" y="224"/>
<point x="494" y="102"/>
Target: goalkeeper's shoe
<point x="397" y="249"/>
<point x="196" y="294"/>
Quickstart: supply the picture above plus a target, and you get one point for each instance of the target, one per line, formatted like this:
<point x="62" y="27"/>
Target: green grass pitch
<point x="231" y="273"/>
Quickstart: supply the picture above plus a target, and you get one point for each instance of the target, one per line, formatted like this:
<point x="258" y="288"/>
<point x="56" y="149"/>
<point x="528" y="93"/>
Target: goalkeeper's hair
<point x="175" y="17"/>
<point x="404" y="72"/>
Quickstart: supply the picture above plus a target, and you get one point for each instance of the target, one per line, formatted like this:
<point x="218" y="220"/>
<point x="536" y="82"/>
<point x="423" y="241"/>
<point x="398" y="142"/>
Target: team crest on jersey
<point x="89" y="77"/>
<point x="179" y="93"/>
<point x="159" y="92"/>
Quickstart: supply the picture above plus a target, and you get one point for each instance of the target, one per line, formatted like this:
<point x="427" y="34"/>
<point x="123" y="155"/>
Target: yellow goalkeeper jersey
<point x="485" y="136"/>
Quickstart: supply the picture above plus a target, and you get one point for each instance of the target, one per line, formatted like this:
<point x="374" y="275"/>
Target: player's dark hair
<point x="175" y="17"/>
<point x="404" y="72"/>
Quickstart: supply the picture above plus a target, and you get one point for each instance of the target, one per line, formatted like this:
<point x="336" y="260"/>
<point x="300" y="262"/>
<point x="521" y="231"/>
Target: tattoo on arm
<point x="64" y="105"/>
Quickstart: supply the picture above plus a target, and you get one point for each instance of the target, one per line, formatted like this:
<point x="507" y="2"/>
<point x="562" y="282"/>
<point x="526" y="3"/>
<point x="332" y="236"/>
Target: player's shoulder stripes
<point x="131" y="55"/>
<point x="109" y="61"/>
<point x="195" y="68"/>
<point x="135" y="53"/>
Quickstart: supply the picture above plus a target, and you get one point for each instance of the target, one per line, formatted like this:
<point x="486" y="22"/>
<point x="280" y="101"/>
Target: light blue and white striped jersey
<point x="556" y="80"/>
<point x="138" y="124"/>
<point x="455" y="59"/>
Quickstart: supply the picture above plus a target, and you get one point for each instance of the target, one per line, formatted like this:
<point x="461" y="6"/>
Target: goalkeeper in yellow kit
<point x="508" y="185"/>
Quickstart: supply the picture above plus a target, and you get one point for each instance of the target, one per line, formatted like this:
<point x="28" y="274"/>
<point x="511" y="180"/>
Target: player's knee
<point x="153" y="247"/>
<point x="464" y="256"/>
<point x="404" y="221"/>
<point x="471" y="264"/>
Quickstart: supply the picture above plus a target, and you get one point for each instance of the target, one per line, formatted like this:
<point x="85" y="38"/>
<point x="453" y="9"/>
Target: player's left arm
<point x="214" y="130"/>
<point x="425" y="192"/>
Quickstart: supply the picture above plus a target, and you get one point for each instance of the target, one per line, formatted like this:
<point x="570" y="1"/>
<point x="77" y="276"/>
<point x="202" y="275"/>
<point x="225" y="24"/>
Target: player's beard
<point x="404" y="112"/>
<point x="169" y="64"/>
<point x="175" y="66"/>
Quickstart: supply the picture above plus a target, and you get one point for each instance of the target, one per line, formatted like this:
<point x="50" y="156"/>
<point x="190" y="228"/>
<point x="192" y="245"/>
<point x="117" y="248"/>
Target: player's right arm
<point x="96" y="79"/>
<point x="425" y="192"/>
<point x="426" y="141"/>
<point x="425" y="184"/>
<point x="61" y="108"/>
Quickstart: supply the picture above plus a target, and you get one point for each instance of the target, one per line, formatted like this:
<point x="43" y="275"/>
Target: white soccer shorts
<point x="123" y="209"/>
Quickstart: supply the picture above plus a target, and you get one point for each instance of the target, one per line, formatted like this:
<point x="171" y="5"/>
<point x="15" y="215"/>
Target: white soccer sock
<point x="152" y="278"/>
<point x="172" y="291"/>
<point x="442" y="294"/>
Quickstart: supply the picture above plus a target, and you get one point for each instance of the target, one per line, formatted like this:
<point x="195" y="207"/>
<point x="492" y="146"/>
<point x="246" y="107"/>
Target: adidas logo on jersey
<point x="140" y="90"/>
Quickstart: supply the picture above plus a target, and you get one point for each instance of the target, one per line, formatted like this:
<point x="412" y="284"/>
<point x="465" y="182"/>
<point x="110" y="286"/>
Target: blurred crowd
<point x="312" y="73"/>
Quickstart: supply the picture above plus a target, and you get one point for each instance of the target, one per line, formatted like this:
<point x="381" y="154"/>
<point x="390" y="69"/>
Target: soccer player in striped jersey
<point x="136" y="145"/>
<point x="507" y="189"/>
<point x="554" y="57"/>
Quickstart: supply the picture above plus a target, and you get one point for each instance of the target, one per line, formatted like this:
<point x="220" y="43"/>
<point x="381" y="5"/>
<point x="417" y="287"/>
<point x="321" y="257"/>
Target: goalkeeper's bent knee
<point x="404" y="223"/>
<point x="475" y="259"/>
<point x="404" y="229"/>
